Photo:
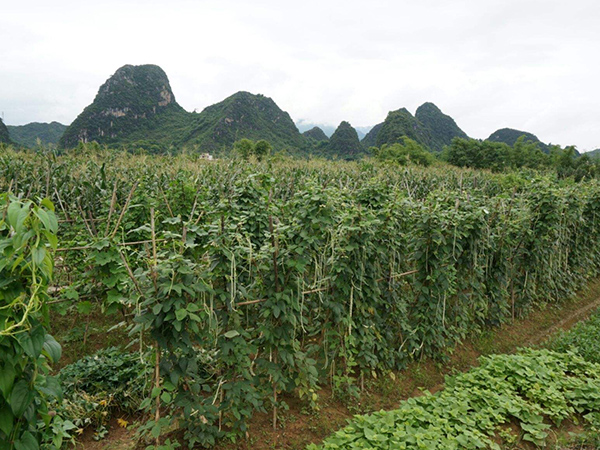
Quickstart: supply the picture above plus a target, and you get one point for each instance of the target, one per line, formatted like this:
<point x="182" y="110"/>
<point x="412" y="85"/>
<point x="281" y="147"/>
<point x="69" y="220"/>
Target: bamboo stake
<point x="133" y="188"/>
<point x="113" y="203"/>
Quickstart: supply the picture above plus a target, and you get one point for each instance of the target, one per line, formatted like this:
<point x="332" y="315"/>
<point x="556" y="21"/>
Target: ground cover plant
<point x="534" y="389"/>
<point x="239" y="281"/>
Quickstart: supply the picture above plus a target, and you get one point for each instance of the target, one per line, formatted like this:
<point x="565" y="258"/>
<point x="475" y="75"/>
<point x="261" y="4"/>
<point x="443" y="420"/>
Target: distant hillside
<point x="135" y="104"/>
<point x="593" y="153"/>
<point x="344" y="143"/>
<point x="442" y="128"/>
<point x="370" y="139"/>
<point x="316" y="133"/>
<point x="4" y="136"/>
<point x="402" y="123"/>
<point x="27" y="135"/>
<point x="243" y="115"/>
<point x="509" y="136"/>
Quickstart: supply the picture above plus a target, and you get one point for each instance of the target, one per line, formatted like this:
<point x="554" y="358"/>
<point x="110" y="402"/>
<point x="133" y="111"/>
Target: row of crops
<point x="244" y="283"/>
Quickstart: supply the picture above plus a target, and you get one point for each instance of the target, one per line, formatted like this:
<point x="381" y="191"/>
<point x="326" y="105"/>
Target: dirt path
<point x="566" y="323"/>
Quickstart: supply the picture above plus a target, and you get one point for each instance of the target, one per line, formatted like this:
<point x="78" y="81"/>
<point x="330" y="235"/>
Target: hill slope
<point x="243" y="115"/>
<point x="136" y="103"/>
<point x="402" y="123"/>
<point x="4" y="136"/>
<point x="316" y="133"/>
<point x="442" y="127"/>
<point x="27" y="135"/>
<point x="509" y="136"/>
<point x="344" y="143"/>
<point x="370" y="139"/>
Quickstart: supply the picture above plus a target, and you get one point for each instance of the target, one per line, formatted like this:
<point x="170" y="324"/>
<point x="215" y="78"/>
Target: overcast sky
<point x="530" y="65"/>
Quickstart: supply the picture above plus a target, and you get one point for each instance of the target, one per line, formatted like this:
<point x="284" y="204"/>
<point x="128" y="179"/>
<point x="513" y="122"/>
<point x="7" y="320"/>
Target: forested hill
<point x="509" y="136"/>
<point x="370" y="139"/>
<point x="399" y="124"/>
<point x="136" y="103"/>
<point x="28" y="135"/>
<point x="442" y="127"/>
<point x="344" y="143"/>
<point x="4" y="136"/>
<point x="316" y="133"/>
<point x="242" y="115"/>
<point x="429" y="127"/>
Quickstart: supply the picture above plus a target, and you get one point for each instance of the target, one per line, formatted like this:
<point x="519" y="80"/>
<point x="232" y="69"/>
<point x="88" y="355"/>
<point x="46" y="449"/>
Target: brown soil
<point x="300" y="426"/>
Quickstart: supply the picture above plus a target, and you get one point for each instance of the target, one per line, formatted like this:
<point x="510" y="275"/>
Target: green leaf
<point x="20" y="398"/>
<point x="52" y="348"/>
<point x="38" y="254"/>
<point x="33" y="341"/>
<point x="6" y="419"/>
<point x="180" y="314"/>
<point x="155" y="431"/>
<point x="7" y="378"/>
<point x="84" y="307"/>
<point x="27" y="442"/>
<point x="231" y="334"/>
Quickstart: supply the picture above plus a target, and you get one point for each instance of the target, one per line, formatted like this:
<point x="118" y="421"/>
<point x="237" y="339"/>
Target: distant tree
<point x="403" y="153"/>
<point x="261" y="149"/>
<point x="243" y="148"/>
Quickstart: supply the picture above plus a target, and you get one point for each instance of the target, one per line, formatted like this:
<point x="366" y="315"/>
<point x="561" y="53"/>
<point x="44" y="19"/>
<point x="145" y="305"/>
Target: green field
<point x="231" y="287"/>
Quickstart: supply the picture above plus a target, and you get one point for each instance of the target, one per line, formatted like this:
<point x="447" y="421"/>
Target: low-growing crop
<point x="533" y="388"/>
<point x="583" y="339"/>
<point x="97" y="386"/>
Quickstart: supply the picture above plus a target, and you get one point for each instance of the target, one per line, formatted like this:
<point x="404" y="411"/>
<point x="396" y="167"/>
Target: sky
<point x="527" y="64"/>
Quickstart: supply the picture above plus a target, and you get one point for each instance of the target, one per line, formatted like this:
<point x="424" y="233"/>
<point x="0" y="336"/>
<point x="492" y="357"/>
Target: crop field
<point x="232" y="287"/>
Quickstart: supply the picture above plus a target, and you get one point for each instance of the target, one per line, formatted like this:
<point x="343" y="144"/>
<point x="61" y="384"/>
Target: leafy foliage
<point x="258" y="279"/>
<point x="37" y="134"/>
<point x="108" y="381"/>
<point x="523" y="154"/>
<point x="404" y="153"/>
<point x="529" y="388"/>
<point x="583" y="339"/>
<point x="27" y="238"/>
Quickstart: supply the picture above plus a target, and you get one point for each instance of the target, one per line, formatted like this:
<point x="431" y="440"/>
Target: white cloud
<point x="527" y="64"/>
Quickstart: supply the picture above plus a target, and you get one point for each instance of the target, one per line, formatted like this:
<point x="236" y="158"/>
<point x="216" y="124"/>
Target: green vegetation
<point x="245" y="148"/>
<point x="400" y="124"/>
<point x="509" y="136"/>
<point x="4" y="137"/>
<point x="37" y="134"/>
<point x="344" y="143"/>
<point x="476" y="407"/>
<point x="242" y="283"/>
<point x="404" y="153"/>
<point x="316" y="133"/>
<point x="135" y="104"/>
<point x="370" y="140"/>
<point x="27" y="239"/>
<point x="243" y="115"/>
<point x="442" y="128"/>
<point x="499" y="157"/>
<point x="583" y="339"/>
<point x="97" y="386"/>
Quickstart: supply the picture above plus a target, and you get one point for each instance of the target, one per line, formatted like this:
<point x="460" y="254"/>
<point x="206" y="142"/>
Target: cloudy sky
<point x="530" y="65"/>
